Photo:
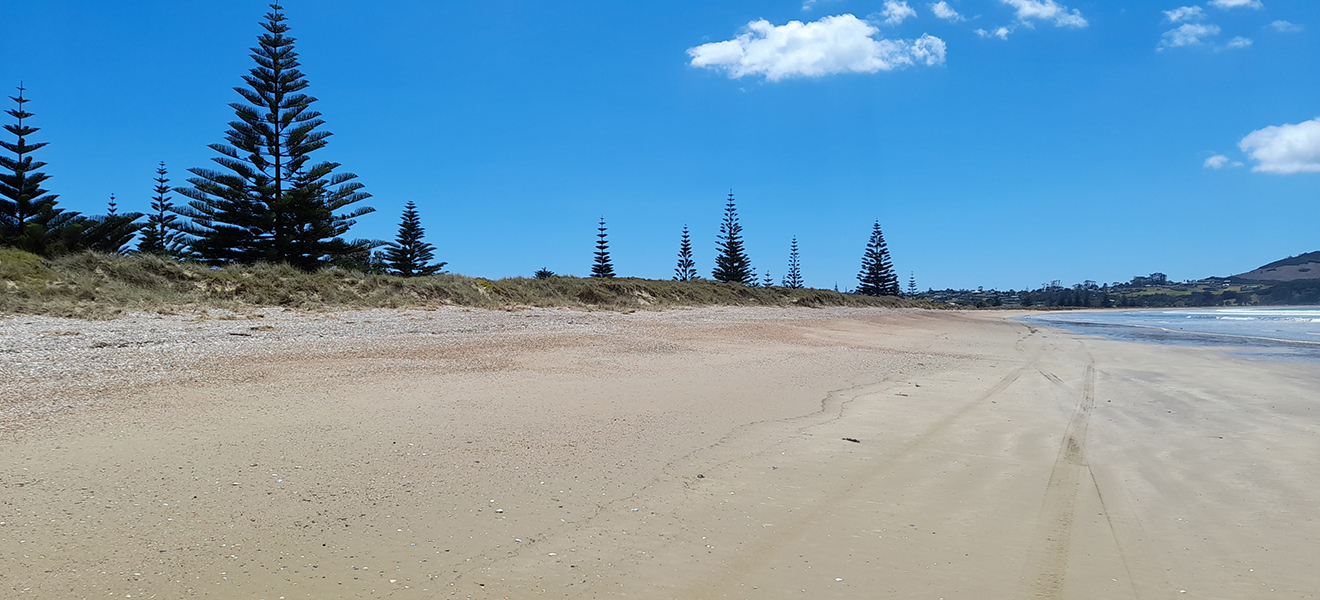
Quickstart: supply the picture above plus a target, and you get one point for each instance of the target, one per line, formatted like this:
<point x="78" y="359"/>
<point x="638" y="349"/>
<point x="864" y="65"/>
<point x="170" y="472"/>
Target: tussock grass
<point x="97" y="286"/>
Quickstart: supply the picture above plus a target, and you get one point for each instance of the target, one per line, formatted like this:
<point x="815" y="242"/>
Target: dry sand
<point x="682" y="454"/>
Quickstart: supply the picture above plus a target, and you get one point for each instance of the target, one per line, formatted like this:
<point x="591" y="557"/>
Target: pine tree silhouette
<point x="602" y="267"/>
<point x="794" y="278"/>
<point x="110" y="233"/>
<point x="161" y="235"/>
<point x="408" y="255"/>
<point x="29" y="216"/>
<point x="270" y="202"/>
<point x="687" y="268"/>
<point x="877" y="277"/>
<point x="731" y="262"/>
<point x="912" y="283"/>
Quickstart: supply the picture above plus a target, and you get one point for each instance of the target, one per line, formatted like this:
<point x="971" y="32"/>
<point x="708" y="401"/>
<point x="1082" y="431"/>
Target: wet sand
<point x="685" y="454"/>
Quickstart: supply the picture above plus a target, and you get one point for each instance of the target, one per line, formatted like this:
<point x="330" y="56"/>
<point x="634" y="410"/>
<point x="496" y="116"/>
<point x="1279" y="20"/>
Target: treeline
<point x="733" y="265"/>
<point x="266" y="200"/>
<point x="1300" y="292"/>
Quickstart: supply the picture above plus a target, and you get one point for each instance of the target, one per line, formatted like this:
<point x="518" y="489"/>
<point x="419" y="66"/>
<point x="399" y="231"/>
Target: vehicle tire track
<point x="794" y="530"/>
<point x="1054" y="532"/>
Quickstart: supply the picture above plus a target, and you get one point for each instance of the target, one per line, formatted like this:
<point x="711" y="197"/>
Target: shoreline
<point x="701" y="453"/>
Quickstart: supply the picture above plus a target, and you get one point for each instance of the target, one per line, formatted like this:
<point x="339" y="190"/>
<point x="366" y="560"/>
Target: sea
<point x="1285" y="333"/>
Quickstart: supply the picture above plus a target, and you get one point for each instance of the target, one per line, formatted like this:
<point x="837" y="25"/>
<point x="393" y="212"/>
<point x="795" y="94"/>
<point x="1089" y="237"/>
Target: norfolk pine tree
<point x="110" y="233"/>
<point x="161" y="235"/>
<point x="731" y="262"/>
<point x="877" y="277"/>
<point x="602" y="267"/>
<point x="29" y="217"/>
<point x="794" y="278"/>
<point x="270" y="203"/>
<point x="408" y="255"/>
<point x="687" y="268"/>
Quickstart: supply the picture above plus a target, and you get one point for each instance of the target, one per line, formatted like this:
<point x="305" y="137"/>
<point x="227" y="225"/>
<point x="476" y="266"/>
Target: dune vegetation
<point x="97" y="286"/>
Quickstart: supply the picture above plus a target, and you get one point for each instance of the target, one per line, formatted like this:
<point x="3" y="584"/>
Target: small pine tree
<point x="731" y="262"/>
<point x="111" y="233"/>
<point x="602" y="267"/>
<point x="408" y="255"/>
<point x="687" y="268"/>
<point x="794" y="278"/>
<point x="877" y="277"/>
<point x="161" y="235"/>
<point x="767" y="281"/>
<point x="912" y="283"/>
<point x="29" y="217"/>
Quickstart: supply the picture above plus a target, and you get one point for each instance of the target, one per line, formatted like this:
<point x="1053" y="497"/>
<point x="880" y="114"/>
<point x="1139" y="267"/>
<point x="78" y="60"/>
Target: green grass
<point x="96" y="286"/>
<point x="1300" y="259"/>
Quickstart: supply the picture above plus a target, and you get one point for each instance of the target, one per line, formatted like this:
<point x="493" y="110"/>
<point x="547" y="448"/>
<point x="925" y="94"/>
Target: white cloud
<point x="946" y="12"/>
<point x="1047" y="10"/>
<point x="1285" y="149"/>
<point x="1220" y="161"/>
<point x="807" y="5"/>
<point x="1239" y="42"/>
<point x="837" y="44"/>
<point x="1185" y="14"/>
<point x="896" y="12"/>
<point x="1286" y="26"/>
<point x="1188" y="34"/>
<point x="1226" y="4"/>
<point x="1001" y="33"/>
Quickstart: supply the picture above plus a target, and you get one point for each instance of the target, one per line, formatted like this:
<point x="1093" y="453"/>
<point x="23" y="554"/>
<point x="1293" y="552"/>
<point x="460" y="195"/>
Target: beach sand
<point x="712" y="453"/>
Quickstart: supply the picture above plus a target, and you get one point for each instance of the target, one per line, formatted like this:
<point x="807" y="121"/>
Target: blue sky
<point x="1005" y="144"/>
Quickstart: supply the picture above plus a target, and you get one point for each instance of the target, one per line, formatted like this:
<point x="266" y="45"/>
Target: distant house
<point x="1152" y="279"/>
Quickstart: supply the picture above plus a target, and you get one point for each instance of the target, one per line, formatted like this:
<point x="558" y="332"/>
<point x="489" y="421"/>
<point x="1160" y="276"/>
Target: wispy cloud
<point x="1239" y="42"/>
<point x="837" y="44"/>
<point x="1220" y="161"/>
<point x="1184" y="14"/>
<point x="1286" y="27"/>
<point x="1285" y="149"/>
<point x="1047" y="10"/>
<point x="896" y="12"/>
<point x="1188" y="34"/>
<point x="946" y="12"/>
<point x="1001" y="33"/>
<point x="1226" y="4"/>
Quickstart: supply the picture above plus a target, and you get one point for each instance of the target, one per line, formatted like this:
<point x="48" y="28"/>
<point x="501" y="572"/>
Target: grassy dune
<point x="100" y="286"/>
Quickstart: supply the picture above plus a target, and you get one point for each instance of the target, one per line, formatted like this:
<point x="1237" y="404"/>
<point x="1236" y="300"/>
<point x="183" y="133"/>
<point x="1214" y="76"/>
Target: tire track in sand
<point x="1054" y="532"/>
<point x="760" y="554"/>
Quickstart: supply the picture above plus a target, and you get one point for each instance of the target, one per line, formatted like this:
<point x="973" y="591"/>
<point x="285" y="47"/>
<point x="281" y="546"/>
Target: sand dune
<point x="684" y="454"/>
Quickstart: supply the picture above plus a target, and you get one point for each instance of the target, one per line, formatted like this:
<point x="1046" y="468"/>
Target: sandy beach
<point x="711" y="453"/>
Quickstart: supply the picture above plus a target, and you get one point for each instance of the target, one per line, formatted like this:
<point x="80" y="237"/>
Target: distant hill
<point x="1293" y="268"/>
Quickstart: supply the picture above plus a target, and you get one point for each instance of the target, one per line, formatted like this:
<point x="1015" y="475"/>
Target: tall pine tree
<point x="161" y="235"/>
<point x="794" y="278"/>
<point x="270" y="202"/>
<point x="731" y="262"/>
<point x="408" y="255"/>
<point x="29" y="217"/>
<point x="912" y="283"/>
<point x="877" y="277"/>
<point x="602" y="267"/>
<point x="687" y="268"/>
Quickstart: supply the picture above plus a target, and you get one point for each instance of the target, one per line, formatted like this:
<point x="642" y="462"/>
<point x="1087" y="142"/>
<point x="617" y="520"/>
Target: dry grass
<point x="96" y="286"/>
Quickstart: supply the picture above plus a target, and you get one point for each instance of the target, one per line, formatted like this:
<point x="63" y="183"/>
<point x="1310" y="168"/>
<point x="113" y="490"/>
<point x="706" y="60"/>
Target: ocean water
<point x="1275" y="332"/>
